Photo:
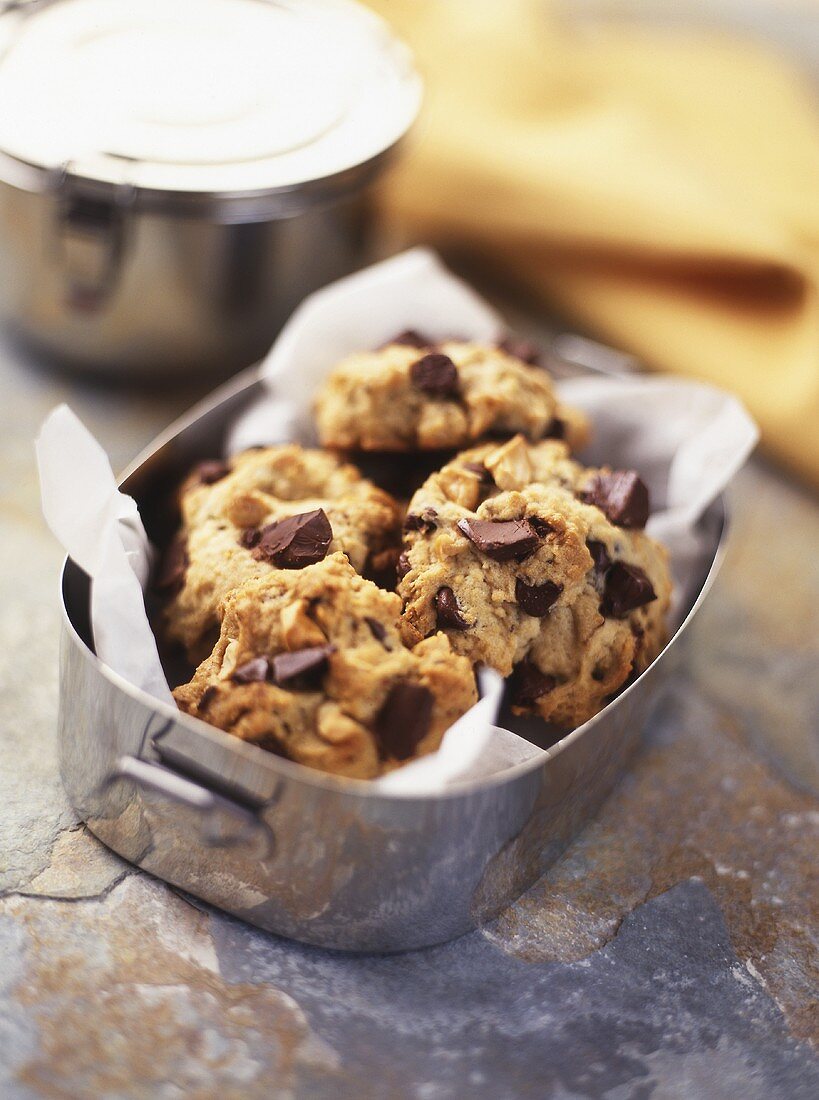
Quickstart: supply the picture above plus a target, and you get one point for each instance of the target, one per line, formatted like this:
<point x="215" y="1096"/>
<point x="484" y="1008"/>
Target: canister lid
<point x="202" y="95"/>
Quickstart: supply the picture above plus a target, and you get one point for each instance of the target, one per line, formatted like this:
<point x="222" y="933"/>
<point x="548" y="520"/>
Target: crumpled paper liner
<point x="687" y="440"/>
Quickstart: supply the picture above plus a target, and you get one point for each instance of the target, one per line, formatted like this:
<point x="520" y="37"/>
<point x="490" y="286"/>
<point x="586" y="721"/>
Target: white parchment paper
<point x="687" y="440"/>
<point x="100" y="528"/>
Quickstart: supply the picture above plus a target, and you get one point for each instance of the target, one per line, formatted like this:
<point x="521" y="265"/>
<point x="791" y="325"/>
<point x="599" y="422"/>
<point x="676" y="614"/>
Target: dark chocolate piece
<point x="482" y="472"/>
<point x="207" y="698"/>
<point x="425" y="521"/>
<point x="435" y="374"/>
<point x="250" y="537"/>
<point x="377" y="629"/>
<point x="599" y="554"/>
<point x="621" y="495"/>
<point x="402" y="566"/>
<point x="542" y="526"/>
<point x="527" y="684"/>
<point x="253" y="671"/>
<point x="501" y="540"/>
<point x="447" y="611"/>
<point x="601" y="562"/>
<point x="295" y="542"/>
<point x="627" y="587"/>
<point x="404" y="719"/>
<point x="536" y="599"/>
<point x="212" y="471"/>
<point x="290" y="666"/>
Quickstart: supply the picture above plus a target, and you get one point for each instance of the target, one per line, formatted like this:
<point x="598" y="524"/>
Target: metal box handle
<point x="224" y="824"/>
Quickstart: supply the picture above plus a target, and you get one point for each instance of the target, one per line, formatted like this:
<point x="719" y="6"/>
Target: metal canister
<point x="174" y="178"/>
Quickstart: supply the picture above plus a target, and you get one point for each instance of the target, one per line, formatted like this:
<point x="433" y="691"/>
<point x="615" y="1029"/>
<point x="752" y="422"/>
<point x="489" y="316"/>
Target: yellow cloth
<point x="659" y="187"/>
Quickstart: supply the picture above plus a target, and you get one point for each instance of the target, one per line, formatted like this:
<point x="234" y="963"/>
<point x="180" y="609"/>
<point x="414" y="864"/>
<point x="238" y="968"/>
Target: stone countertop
<point x="672" y="952"/>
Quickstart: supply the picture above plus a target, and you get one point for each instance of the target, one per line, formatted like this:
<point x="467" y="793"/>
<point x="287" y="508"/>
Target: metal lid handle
<point x="91" y="231"/>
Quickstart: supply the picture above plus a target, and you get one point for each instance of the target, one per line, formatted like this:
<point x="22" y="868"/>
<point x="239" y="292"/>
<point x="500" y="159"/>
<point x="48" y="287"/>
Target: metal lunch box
<point x="175" y="178"/>
<point x="324" y="860"/>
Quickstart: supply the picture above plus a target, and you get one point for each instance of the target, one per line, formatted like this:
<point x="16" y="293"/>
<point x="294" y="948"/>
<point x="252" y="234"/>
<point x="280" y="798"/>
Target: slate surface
<point x="671" y="953"/>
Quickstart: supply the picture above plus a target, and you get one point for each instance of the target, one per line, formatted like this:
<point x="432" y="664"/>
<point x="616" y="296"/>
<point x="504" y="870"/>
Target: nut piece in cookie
<point x="272" y="508"/>
<point x="539" y="567"/>
<point x="310" y="664"/>
<point x="406" y="397"/>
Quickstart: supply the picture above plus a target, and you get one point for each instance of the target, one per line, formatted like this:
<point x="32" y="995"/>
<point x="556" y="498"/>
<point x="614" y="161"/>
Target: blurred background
<point x="644" y="170"/>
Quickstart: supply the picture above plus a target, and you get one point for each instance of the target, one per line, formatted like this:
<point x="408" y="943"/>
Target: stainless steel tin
<point x="163" y="218"/>
<point x="327" y="861"/>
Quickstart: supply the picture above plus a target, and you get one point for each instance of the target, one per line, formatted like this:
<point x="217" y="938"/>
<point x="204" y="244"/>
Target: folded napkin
<point x="659" y="187"/>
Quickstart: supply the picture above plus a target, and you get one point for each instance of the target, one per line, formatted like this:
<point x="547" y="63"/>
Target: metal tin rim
<point x="226" y="205"/>
<point x="292" y="770"/>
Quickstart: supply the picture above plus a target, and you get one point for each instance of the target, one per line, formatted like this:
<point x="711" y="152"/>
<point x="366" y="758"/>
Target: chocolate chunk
<point x="600" y="563"/>
<point x="482" y="472"/>
<point x="501" y="540"/>
<point x="402" y="566"/>
<point x="170" y="573"/>
<point x="425" y="521"/>
<point x="211" y="471"/>
<point x="435" y="374"/>
<point x="600" y="556"/>
<point x="526" y="350"/>
<point x="542" y="526"/>
<point x="404" y="719"/>
<point x="290" y="666"/>
<point x="250" y="537"/>
<point x="377" y="629"/>
<point x="536" y="599"/>
<point x="296" y="541"/>
<point x="627" y="587"/>
<point x="447" y="611"/>
<point x="410" y="338"/>
<point x="527" y="684"/>
<point x="556" y="429"/>
<point x="253" y="671"/>
<point x="621" y="495"/>
<point x="207" y="698"/>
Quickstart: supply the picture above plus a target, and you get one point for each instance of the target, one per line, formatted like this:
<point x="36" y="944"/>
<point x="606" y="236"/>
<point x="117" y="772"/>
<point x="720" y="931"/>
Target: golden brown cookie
<point x="540" y="568"/>
<point x="310" y="664"/>
<point x="271" y="508"/>
<point x="404" y="398"/>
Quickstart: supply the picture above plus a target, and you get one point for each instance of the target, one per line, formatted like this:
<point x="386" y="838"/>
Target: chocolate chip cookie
<point x="272" y="508"/>
<point x="310" y="664"/>
<point x="540" y="568"/>
<point x="406" y="397"/>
